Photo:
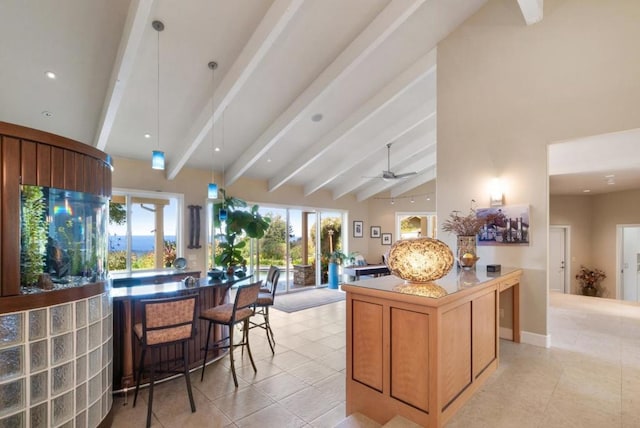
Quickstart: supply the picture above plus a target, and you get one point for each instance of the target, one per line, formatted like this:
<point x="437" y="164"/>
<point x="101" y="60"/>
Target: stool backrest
<point x="273" y="279"/>
<point x="168" y="320"/>
<point x="246" y="295"/>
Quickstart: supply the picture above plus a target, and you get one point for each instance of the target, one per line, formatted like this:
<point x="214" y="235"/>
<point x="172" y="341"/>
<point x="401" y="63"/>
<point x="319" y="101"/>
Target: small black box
<point x="493" y="268"/>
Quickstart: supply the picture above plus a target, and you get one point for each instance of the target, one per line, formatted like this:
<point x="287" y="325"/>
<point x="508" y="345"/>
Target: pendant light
<point x="157" y="156"/>
<point x="212" y="189"/>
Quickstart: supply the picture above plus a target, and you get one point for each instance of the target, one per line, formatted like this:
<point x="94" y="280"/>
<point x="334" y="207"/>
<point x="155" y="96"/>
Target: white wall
<point x="507" y="90"/>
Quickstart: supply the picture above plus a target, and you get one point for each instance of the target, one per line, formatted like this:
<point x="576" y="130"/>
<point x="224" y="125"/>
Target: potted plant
<point x="240" y="222"/>
<point x="589" y="280"/>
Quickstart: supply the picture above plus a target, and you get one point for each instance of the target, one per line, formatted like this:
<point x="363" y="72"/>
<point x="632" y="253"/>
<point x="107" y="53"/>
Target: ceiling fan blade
<point x="405" y="174"/>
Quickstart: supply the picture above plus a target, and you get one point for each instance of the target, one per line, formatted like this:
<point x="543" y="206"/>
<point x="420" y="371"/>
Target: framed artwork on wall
<point x="386" y="239"/>
<point x="358" y="229"/>
<point x="375" y="231"/>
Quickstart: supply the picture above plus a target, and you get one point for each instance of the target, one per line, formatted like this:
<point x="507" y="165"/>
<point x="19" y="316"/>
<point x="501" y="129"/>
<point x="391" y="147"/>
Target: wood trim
<point x="68" y="170"/>
<point x="23" y="302"/>
<point x="10" y="217"/>
<point x="45" y="165"/>
<point x="28" y="163"/>
<point x="21" y="132"/>
<point x="58" y="177"/>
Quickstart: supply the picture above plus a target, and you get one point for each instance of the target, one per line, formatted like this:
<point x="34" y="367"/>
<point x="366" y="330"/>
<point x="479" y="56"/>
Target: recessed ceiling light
<point x="147" y="135"/>
<point x="50" y="74"/>
<point x="586" y="190"/>
<point x="609" y="176"/>
<point x="217" y="149"/>
<point x="47" y="113"/>
<point x="317" y="117"/>
<point x="268" y="159"/>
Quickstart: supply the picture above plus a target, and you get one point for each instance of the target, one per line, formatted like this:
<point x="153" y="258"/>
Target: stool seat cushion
<point x="222" y="314"/>
<point x="264" y="299"/>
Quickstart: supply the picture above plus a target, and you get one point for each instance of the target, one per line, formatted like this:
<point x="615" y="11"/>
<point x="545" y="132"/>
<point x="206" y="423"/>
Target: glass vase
<point x="467" y="251"/>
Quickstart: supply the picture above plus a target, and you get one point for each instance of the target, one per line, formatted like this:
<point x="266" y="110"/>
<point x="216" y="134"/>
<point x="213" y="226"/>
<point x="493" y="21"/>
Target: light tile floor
<point x="590" y="377"/>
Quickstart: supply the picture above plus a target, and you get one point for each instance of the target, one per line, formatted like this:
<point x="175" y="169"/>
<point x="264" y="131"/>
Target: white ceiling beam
<point x="387" y="21"/>
<point x="419" y="165"/>
<point x="390" y="93"/>
<point x="401" y="156"/>
<point x="263" y="39"/>
<point x="389" y="135"/>
<point x="531" y="10"/>
<point x="413" y="182"/>
<point x="134" y="28"/>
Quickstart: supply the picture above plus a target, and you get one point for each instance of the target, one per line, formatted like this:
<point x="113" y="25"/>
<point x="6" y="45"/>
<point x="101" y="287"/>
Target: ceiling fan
<point x="390" y="175"/>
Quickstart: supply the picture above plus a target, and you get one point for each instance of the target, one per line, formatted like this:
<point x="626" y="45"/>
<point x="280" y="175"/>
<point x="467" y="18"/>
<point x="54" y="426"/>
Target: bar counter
<point x="422" y="350"/>
<point x="127" y="312"/>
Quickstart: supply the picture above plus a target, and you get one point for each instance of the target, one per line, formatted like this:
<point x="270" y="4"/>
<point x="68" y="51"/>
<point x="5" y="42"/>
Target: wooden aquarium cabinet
<point x="423" y="357"/>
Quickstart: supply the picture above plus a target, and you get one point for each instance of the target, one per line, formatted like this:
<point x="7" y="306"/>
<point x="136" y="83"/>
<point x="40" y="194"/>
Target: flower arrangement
<point x="468" y="225"/>
<point x="589" y="277"/>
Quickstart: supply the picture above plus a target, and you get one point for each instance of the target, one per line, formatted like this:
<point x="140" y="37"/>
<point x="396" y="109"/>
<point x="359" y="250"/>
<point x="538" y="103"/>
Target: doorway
<point x="629" y="262"/>
<point x="558" y="263"/>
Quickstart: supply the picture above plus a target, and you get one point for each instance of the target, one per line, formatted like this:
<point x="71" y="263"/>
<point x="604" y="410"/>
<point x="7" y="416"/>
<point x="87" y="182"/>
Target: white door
<point x="557" y="259"/>
<point x="630" y="262"/>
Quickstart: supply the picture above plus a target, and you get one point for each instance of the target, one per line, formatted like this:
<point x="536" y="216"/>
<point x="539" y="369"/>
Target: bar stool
<point x="229" y="315"/>
<point x="165" y="322"/>
<point x="266" y="299"/>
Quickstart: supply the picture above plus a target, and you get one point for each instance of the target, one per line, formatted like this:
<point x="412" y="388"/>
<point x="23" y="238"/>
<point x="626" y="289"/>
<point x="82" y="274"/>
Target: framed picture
<point x="375" y="231"/>
<point x="358" y="229"/>
<point x="386" y="239"/>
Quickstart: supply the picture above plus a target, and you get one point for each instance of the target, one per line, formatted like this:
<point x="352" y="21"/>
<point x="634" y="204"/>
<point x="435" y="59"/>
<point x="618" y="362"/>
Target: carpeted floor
<point x="300" y="300"/>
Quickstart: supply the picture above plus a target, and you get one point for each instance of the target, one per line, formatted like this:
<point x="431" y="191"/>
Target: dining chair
<point x="230" y="314"/>
<point x="266" y="299"/>
<point x="165" y="323"/>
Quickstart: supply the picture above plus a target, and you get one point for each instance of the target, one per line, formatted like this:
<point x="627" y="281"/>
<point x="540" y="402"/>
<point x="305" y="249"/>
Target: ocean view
<point x="139" y="243"/>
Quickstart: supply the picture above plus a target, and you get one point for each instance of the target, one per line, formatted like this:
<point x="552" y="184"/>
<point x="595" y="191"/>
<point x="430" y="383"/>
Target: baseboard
<point x="535" y="339"/>
<point x="506" y="333"/>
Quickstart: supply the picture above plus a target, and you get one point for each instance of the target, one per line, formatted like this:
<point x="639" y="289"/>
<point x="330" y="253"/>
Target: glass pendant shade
<point x="212" y="191"/>
<point x="157" y="159"/>
<point x="420" y="260"/>
<point x="222" y="215"/>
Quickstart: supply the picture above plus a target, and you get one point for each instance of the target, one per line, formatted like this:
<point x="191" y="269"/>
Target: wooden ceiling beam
<point x="272" y="26"/>
<point x="379" y="30"/>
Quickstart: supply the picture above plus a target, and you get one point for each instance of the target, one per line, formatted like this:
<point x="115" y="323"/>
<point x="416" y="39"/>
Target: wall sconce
<point x="496" y="191"/>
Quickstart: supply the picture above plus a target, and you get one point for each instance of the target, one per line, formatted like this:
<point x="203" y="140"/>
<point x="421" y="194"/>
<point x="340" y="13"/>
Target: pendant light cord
<point x="158" y="92"/>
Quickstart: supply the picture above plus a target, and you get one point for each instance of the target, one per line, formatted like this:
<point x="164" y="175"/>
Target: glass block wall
<point x="56" y="365"/>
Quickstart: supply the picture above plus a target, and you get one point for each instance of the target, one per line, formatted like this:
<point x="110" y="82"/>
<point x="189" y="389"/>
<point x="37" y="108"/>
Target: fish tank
<point x="63" y="238"/>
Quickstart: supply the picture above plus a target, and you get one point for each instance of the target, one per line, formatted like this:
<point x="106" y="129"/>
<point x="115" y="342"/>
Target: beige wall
<point x="192" y="183"/>
<point x="577" y="213"/>
<point x="594" y="220"/>
<point x="609" y="211"/>
<point x="383" y="214"/>
<point x="507" y="90"/>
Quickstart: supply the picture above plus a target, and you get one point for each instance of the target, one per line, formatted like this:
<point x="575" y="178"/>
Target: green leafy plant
<point x="33" y="235"/>
<point x="242" y="222"/>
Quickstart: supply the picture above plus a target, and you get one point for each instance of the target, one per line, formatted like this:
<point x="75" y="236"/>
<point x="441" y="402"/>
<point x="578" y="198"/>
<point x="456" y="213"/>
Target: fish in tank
<point x="63" y="239"/>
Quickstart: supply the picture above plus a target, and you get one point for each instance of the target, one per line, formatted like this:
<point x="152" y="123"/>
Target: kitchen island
<point x="421" y="351"/>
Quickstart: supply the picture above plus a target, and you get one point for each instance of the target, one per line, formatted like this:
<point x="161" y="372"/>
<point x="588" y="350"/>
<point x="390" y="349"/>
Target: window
<point x="144" y="230"/>
<point x="290" y="243"/>
<point x="415" y="225"/>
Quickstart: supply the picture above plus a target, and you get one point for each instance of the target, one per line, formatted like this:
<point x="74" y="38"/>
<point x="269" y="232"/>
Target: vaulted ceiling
<point x="306" y="92"/>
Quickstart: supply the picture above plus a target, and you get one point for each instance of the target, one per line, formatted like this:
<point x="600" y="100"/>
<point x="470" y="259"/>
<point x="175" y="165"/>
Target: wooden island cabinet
<point x="423" y="357"/>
